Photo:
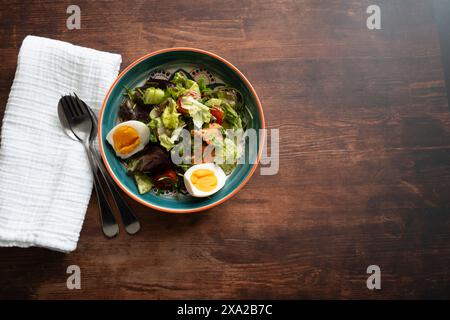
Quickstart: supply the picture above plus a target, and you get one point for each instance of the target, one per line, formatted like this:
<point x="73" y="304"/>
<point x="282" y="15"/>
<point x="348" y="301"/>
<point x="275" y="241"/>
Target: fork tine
<point x="81" y="104"/>
<point x="66" y="107"/>
<point x="89" y="110"/>
<point x="78" y="100"/>
<point x="79" y="112"/>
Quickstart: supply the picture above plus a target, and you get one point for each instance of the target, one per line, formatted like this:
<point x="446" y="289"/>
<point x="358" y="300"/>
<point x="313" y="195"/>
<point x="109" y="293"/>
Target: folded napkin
<point x="45" y="179"/>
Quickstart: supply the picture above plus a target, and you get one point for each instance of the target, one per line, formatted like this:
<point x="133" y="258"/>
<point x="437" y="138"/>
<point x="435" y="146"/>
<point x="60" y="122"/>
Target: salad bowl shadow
<point x="163" y="64"/>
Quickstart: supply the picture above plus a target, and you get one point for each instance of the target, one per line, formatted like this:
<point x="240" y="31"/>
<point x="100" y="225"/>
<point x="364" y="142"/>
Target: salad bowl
<point x="163" y="64"/>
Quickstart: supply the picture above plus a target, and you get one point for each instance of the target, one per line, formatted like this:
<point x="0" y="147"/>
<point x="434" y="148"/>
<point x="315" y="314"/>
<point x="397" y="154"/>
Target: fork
<point x="77" y="120"/>
<point x="130" y="221"/>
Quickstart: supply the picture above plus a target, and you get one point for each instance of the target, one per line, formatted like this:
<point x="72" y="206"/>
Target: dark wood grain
<point x="364" y="158"/>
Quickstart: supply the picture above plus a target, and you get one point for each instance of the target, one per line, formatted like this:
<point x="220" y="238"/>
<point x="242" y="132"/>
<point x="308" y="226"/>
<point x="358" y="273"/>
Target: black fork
<point x="74" y="110"/>
<point x="129" y="219"/>
<point x="79" y="123"/>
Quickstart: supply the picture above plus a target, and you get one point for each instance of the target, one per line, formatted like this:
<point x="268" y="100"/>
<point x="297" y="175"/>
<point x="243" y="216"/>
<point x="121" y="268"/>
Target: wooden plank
<point x="364" y="156"/>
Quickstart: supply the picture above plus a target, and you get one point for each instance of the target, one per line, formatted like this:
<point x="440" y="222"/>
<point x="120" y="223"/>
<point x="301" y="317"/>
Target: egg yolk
<point x="126" y="139"/>
<point x="204" y="180"/>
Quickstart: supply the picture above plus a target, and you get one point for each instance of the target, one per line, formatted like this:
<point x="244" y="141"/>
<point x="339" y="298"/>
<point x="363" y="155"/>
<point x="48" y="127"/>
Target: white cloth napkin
<point x="45" y="180"/>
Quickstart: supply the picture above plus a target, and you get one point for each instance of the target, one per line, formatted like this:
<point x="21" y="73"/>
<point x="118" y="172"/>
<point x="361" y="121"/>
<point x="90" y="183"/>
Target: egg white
<point x="194" y="191"/>
<point x="142" y="130"/>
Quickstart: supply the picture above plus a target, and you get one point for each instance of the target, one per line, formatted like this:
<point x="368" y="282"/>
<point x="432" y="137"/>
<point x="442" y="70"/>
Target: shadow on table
<point x="22" y="271"/>
<point x="167" y="224"/>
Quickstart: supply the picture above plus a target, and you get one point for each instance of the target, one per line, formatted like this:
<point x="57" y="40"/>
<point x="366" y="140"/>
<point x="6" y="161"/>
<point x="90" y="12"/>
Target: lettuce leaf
<point x="202" y="84"/>
<point x="231" y="116"/>
<point x="153" y="96"/>
<point x="143" y="182"/>
<point x="177" y="132"/>
<point x="170" y="115"/>
<point x="213" y="102"/>
<point x="155" y="126"/>
<point x="155" y="123"/>
<point x="165" y="141"/>
<point x="226" y="154"/>
<point x="183" y="86"/>
<point x="179" y="79"/>
<point x="193" y="87"/>
<point x="155" y="113"/>
<point x="167" y="127"/>
<point x="177" y="92"/>
<point x="168" y="140"/>
<point x="199" y="112"/>
<point x="231" y="96"/>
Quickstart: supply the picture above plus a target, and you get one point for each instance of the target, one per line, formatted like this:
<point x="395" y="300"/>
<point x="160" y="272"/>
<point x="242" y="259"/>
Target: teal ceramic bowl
<point x="163" y="64"/>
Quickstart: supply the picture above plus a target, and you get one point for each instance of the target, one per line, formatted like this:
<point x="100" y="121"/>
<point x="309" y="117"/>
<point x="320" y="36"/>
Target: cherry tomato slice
<point x="166" y="179"/>
<point x="217" y="113"/>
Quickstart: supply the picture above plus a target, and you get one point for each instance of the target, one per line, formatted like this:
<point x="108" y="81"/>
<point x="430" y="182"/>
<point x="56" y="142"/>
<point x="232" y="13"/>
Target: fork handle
<point x="130" y="221"/>
<point x="109" y="225"/>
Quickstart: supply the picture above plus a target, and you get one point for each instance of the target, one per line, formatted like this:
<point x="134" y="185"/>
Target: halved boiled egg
<point x="128" y="138"/>
<point x="202" y="180"/>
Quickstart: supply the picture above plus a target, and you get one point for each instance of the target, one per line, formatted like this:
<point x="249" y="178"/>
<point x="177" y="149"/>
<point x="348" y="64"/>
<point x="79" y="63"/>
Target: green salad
<point x="172" y="111"/>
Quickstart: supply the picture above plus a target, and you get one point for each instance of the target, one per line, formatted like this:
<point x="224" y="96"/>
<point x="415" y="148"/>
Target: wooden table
<point x="364" y="156"/>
